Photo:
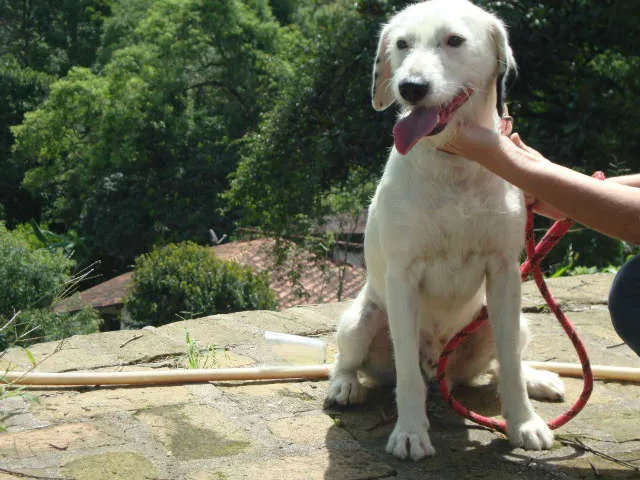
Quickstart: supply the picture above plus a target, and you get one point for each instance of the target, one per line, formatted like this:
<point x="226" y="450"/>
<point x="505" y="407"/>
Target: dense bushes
<point x="186" y="280"/>
<point x="30" y="281"/>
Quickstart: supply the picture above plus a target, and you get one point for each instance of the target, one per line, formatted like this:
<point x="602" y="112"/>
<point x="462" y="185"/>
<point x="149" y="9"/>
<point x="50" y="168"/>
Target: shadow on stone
<point x="464" y="450"/>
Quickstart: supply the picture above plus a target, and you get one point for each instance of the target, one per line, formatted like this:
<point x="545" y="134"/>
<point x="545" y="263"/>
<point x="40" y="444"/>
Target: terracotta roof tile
<point x="106" y="294"/>
<point x="298" y="277"/>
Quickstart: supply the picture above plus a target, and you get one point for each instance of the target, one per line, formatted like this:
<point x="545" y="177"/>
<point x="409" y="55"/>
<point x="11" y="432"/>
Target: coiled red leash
<point x="535" y="253"/>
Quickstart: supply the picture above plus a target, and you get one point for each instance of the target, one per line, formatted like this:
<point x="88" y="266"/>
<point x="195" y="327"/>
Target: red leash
<point x="535" y="253"/>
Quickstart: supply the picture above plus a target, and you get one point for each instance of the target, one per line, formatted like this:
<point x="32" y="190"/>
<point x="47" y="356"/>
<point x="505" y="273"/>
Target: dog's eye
<point x="455" y="41"/>
<point x="402" y="44"/>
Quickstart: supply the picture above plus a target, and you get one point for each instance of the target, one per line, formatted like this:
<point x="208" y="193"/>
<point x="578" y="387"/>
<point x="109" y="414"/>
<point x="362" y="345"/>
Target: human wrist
<point x="495" y="152"/>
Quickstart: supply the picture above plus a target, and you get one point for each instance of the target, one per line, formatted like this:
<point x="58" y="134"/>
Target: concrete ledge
<point x="281" y="430"/>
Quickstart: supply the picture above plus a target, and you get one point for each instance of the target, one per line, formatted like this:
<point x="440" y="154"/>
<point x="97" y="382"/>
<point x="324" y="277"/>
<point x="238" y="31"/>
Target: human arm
<point x="543" y="208"/>
<point x="547" y="210"/>
<point x="611" y="207"/>
<point x="629" y="180"/>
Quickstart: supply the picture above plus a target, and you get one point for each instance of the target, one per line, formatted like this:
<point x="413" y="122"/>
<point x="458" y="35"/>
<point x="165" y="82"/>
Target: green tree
<point x="39" y="41"/>
<point x="137" y="151"/>
<point x="21" y="90"/>
<point x="52" y="35"/>
<point x="579" y="72"/>
<point x="321" y="125"/>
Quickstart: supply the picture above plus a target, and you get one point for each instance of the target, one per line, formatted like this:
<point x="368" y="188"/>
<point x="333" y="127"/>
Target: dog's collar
<point x="506" y="125"/>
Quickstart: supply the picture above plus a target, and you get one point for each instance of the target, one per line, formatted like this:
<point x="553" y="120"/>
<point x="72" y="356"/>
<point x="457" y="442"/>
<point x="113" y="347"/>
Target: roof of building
<point x="296" y="276"/>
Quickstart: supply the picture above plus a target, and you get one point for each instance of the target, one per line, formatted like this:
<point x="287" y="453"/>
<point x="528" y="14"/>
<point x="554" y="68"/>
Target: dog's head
<point x="442" y="60"/>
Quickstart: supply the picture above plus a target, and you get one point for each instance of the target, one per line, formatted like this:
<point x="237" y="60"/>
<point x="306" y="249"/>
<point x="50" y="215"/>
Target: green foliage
<point x="52" y="36"/>
<point x="321" y="125"/>
<point x="135" y="151"/>
<point x="30" y="277"/>
<point x="121" y="121"/>
<point x="38" y="42"/>
<point x="579" y="72"/>
<point x="186" y="280"/>
<point x="196" y="357"/>
<point x="30" y="281"/>
<point x="574" y="99"/>
<point x="348" y="199"/>
<point x="21" y="90"/>
<point x="44" y="324"/>
<point x="582" y="252"/>
<point x="284" y="10"/>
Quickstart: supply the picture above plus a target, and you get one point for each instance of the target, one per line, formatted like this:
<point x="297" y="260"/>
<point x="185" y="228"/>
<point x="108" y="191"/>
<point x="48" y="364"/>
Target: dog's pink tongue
<point x="410" y="129"/>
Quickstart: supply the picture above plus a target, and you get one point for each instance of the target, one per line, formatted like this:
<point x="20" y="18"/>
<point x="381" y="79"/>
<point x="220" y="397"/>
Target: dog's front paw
<point x="411" y="442"/>
<point x="531" y="434"/>
<point x="345" y="389"/>
<point x="543" y="385"/>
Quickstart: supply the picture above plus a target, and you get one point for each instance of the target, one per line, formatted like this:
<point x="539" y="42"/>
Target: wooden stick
<point x="176" y="376"/>
<point x="603" y="372"/>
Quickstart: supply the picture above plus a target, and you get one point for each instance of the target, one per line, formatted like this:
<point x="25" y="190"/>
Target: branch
<point x="579" y="444"/>
<point x="215" y="83"/>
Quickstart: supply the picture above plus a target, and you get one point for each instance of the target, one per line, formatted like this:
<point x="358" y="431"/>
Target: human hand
<point x="473" y="142"/>
<point x="473" y="139"/>
<point x="518" y="142"/>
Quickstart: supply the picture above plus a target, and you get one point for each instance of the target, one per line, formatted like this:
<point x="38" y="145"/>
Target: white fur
<point x="443" y="234"/>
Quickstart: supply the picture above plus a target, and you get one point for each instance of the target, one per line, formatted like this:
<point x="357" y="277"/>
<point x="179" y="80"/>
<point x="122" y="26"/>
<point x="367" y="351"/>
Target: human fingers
<point x="472" y="141"/>
<point x="518" y="142"/>
<point x="450" y="148"/>
<point x="515" y="138"/>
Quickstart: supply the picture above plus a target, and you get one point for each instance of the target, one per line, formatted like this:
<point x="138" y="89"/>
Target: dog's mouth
<point x="425" y="122"/>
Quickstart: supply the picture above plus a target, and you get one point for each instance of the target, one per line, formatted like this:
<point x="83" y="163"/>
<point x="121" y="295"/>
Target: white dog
<point x="443" y="233"/>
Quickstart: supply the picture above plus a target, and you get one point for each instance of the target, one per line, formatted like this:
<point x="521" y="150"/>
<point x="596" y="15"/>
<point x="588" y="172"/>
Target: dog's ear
<point x="506" y="62"/>
<point x="381" y="93"/>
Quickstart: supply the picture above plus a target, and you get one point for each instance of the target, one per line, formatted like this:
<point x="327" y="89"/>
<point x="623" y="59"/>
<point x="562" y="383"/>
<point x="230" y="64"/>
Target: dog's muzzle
<point x="425" y="122"/>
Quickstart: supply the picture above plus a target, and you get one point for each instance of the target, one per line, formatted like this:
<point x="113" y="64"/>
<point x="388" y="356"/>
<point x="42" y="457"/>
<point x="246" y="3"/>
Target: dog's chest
<point x="447" y="226"/>
<point x="463" y="217"/>
<point x="456" y="242"/>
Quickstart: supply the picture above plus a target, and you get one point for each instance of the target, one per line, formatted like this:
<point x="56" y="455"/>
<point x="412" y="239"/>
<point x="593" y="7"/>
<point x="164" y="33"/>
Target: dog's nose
<point x="414" y="90"/>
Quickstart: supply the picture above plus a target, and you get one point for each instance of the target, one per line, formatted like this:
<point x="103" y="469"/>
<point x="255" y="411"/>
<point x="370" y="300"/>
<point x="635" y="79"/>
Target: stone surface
<point x="110" y="466"/>
<point x="282" y="430"/>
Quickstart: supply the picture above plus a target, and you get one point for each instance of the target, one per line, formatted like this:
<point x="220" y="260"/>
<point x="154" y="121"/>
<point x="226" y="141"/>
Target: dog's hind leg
<point x="357" y="328"/>
<point x="541" y="385"/>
